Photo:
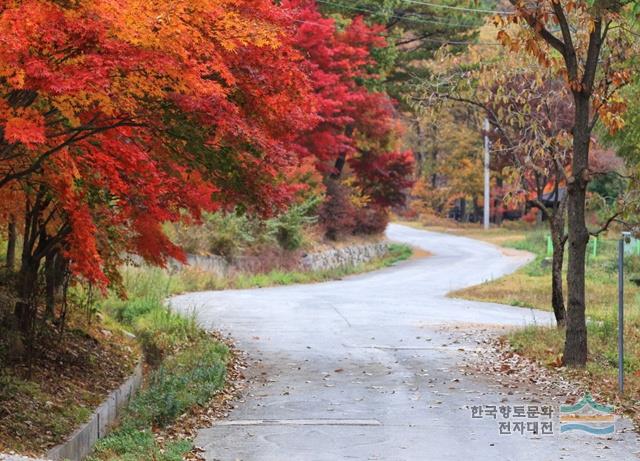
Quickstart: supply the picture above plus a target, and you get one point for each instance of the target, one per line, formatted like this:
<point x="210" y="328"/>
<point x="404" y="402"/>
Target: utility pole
<point x="487" y="175"/>
<point x="626" y="237"/>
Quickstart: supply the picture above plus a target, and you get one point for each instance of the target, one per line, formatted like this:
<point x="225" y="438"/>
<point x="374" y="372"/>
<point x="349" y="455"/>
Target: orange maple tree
<point x="119" y="116"/>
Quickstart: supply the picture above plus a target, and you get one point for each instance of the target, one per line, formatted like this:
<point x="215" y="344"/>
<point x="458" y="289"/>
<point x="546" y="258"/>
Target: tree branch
<point x="539" y="28"/>
<point x="596" y="38"/>
<point x="605" y="226"/>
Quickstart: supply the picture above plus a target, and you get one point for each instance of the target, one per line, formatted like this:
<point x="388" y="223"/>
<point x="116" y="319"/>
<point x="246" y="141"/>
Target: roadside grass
<point x="162" y="332"/>
<point x="191" y="367"/>
<point x="189" y="378"/>
<point x="531" y="287"/>
<point x="152" y="285"/>
<point x="397" y="252"/>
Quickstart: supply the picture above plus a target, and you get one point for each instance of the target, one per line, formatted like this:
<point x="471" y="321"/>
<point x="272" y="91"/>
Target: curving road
<point x="362" y="368"/>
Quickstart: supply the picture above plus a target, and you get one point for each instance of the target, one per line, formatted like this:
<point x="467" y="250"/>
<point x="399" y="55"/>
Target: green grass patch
<point x="159" y="330"/>
<point x="185" y="380"/>
<point x="189" y="367"/>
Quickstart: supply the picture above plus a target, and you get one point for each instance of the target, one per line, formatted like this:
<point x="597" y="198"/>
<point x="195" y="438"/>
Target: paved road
<point x="361" y="369"/>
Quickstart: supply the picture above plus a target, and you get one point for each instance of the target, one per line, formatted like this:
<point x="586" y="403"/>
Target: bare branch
<point x="605" y="226"/>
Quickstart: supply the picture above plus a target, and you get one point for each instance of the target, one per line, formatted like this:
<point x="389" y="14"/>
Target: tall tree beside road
<point x="588" y="44"/>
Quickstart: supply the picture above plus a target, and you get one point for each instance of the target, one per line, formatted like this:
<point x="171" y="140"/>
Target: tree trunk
<point x="419" y="153"/>
<point x="339" y="166"/>
<point x="25" y="309"/>
<point x="50" y="283"/>
<point x="342" y="158"/>
<point x="12" y="237"/>
<point x="434" y="162"/>
<point x="556" y="225"/>
<point x="575" y="348"/>
<point x="477" y="211"/>
<point x="498" y="202"/>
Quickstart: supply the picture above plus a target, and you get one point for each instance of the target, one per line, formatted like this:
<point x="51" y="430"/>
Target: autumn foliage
<point x="120" y="116"/>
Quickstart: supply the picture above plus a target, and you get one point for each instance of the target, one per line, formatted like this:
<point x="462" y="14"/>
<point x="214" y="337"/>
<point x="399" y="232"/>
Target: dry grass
<point x="507" y="236"/>
<point x="545" y="346"/>
<point x="531" y="287"/>
<point x="519" y="289"/>
<point x="526" y="290"/>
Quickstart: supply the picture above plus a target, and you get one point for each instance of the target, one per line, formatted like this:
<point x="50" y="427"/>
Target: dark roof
<point x="553" y="197"/>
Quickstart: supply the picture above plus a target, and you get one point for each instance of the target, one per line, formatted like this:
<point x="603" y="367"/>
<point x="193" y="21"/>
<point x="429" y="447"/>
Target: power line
<point x="453" y="42"/>
<point x="431" y="40"/>
<point x="459" y="8"/>
<point x="414" y="17"/>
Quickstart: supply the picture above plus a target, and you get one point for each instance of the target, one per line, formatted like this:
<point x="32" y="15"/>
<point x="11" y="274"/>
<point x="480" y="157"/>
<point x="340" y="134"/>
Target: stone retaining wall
<point x="214" y="264"/>
<point x="344" y="257"/>
<point x="83" y="440"/>
<point x="324" y="260"/>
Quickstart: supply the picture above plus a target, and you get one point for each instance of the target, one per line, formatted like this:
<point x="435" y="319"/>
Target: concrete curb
<point x="83" y="440"/>
<point x="4" y="457"/>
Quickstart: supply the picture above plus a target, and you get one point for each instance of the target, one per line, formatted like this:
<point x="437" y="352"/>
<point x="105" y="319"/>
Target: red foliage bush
<point x="370" y="221"/>
<point x="337" y="214"/>
<point x="386" y="177"/>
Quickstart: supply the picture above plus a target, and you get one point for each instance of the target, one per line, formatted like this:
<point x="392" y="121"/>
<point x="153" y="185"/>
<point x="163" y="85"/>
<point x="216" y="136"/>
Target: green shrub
<point x="223" y="234"/>
<point x="397" y="252"/>
<point x="229" y="234"/>
<point x="287" y="229"/>
<point x="135" y="308"/>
